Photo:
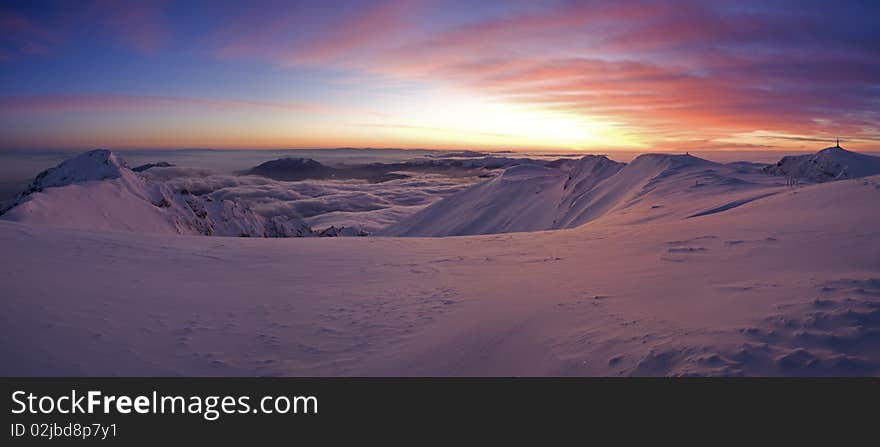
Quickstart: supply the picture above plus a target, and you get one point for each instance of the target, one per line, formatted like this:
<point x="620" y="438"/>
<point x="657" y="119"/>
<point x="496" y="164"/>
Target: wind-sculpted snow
<point x="96" y="191"/>
<point x="785" y="285"/>
<point x="524" y="198"/>
<point x="574" y="192"/>
<point x="468" y="195"/>
<point x="653" y="187"/>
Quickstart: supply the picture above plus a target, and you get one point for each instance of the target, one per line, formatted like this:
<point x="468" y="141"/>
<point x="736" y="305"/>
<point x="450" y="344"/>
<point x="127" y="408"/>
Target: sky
<point x="583" y="75"/>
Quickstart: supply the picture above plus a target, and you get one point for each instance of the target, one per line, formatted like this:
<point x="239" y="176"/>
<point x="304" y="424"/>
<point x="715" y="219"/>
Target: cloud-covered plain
<point x="321" y="203"/>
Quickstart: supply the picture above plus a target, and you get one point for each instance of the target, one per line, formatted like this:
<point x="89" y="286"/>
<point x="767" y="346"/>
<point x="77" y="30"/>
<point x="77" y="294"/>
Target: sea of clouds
<point x="356" y="204"/>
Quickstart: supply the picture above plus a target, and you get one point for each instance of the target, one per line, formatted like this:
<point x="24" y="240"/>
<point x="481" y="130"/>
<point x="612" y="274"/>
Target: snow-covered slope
<point x="91" y="166"/>
<point x="833" y="163"/>
<point x="523" y="198"/>
<point x="785" y="285"/>
<point x="97" y="191"/>
<point x="572" y="193"/>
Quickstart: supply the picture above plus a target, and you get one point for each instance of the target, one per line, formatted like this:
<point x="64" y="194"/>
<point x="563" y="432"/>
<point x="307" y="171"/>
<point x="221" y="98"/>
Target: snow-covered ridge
<point x="97" y="191"/>
<point x="524" y="198"/>
<point x="833" y="163"/>
<point x="786" y="285"/>
<point x="687" y="267"/>
<point x="652" y="187"/>
<point x="571" y="193"/>
<point x="91" y="166"/>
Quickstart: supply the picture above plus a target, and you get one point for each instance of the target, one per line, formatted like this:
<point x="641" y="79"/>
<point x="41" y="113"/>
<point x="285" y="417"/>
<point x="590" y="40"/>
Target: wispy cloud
<point x="51" y="28"/>
<point x="431" y="128"/>
<point x="59" y="103"/>
<point x="843" y="139"/>
<point x="294" y="36"/>
<point x="141" y="26"/>
<point x="655" y="67"/>
<point x="24" y="37"/>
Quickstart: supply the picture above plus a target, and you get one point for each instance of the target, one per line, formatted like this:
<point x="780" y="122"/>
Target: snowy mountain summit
<point x="91" y="166"/>
<point x="94" y="165"/>
<point x="651" y="188"/>
<point x="96" y="190"/>
<point x="833" y="163"/>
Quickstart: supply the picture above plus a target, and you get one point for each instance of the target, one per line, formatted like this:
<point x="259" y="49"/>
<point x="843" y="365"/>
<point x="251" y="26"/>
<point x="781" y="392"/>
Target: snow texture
<point x="97" y="191"/>
<point x="653" y="273"/>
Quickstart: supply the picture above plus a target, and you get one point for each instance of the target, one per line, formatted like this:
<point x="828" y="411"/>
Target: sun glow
<point x="480" y="122"/>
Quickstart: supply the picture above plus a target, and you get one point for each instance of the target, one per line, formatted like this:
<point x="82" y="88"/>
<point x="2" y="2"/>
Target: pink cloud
<point x="357" y="32"/>
<point x="656" y="68"/>
<point x="292" y="37"/>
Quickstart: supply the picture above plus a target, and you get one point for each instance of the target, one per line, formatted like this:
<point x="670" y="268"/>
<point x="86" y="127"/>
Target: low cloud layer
<point x="321" y="203"/>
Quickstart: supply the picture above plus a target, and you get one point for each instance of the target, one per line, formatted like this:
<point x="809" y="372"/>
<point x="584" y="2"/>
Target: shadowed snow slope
<point x="833" y="163"/>
<point x="572" y="193"/>
<point x="97" y="191"/>
<point x="785" y="285"/>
